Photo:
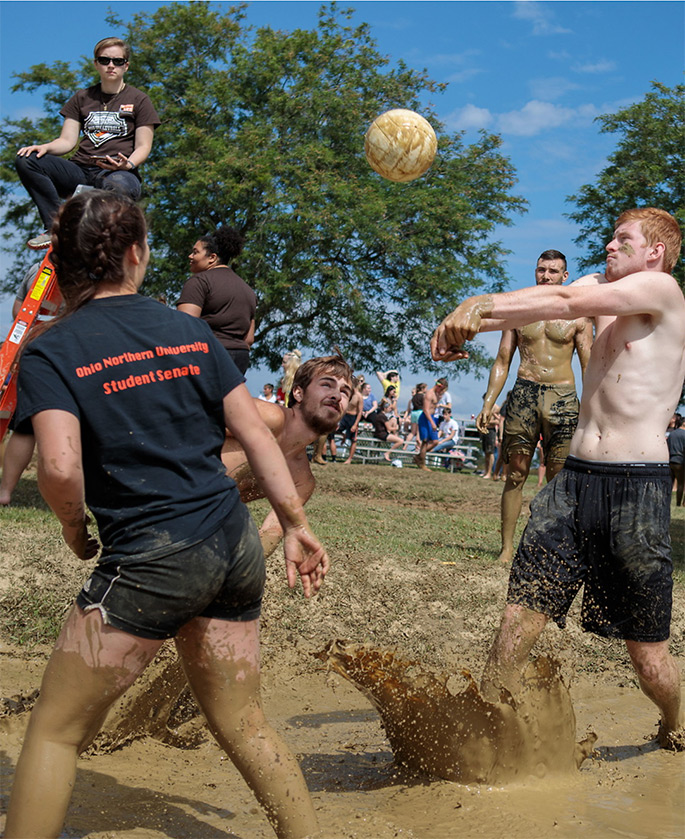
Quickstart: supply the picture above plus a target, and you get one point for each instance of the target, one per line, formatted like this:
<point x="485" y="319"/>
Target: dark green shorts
<point x="537" y="410"/>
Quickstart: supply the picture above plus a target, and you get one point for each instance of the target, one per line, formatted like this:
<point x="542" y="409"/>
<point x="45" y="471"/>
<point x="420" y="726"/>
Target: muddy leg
<point x="512" y="497"/>
<point x="518" y="632"/>
<point x="659" y="678"/>
<point x="91" y="666"/>
<point x="221" y="661"/>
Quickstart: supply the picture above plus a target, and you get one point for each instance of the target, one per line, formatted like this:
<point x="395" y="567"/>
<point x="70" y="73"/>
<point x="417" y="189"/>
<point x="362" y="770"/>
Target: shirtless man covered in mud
<point x="543" y="401"/>
<point x="320" y="394"/>
<point x="604" y="522"/>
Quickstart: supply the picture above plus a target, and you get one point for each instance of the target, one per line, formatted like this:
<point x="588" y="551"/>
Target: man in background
<point x="542" y="402"/>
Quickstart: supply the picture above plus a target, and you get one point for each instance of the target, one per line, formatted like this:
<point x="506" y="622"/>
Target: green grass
<point x="414" y="563"/>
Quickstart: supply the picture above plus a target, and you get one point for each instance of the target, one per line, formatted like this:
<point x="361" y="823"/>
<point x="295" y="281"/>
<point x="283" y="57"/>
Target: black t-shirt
<point x="147" y="385"/>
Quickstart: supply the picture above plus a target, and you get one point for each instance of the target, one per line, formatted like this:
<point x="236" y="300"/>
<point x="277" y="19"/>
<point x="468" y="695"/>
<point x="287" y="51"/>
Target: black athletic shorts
<point x="604" y="525"/>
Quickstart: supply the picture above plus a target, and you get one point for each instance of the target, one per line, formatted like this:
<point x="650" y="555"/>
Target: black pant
<point x="241" y="359"/>
<point x="50" y="178"/>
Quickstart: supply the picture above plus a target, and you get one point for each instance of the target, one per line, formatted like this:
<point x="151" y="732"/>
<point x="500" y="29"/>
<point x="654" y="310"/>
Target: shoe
<point x="42" y="240"/>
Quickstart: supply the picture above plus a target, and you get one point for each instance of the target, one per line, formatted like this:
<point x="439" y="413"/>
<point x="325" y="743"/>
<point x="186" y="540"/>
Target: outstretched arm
<point x="647" y="292"/>
<point x="271" y="531"/>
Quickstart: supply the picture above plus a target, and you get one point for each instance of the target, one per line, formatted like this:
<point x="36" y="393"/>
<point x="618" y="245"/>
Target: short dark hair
<point x="552" y="254"/>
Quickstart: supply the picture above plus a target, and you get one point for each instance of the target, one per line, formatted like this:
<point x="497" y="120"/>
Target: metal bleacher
<point x="463" y="457"/>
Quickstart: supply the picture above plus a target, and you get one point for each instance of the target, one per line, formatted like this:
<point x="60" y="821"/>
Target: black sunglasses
<point x="105" y="59"/>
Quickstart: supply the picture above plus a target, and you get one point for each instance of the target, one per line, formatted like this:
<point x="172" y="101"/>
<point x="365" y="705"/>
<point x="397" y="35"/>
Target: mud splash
<point x="436" y="729"/>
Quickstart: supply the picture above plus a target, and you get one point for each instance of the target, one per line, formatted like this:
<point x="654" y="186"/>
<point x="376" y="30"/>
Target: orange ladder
<point x="44" y="298"/>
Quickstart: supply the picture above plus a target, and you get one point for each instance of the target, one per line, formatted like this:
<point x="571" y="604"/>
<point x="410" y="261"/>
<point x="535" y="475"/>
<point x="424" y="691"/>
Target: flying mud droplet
<point x="460" y="736"/>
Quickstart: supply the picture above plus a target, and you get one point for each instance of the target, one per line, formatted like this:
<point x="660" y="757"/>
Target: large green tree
<point x="647" y="169"/>
<point x="264" y="130"/>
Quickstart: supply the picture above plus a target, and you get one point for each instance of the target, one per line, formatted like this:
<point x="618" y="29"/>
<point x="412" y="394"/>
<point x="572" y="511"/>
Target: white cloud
<point x="468" y="118"/>
<point x="537" y="116"/>
<point x="596" y="67"/>
<point x="540" y="16"/>
<point x="550" y="88"/>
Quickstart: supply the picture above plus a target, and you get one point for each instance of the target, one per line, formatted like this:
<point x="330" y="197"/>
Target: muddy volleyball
<point x="400" y="145"/>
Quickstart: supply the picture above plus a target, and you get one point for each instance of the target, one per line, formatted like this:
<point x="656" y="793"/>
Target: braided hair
<point x="90" y="236"/>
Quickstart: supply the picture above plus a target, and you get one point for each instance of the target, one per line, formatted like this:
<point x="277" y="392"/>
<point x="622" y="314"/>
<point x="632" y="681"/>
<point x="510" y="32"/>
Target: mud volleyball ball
<point x="400" y="145"/>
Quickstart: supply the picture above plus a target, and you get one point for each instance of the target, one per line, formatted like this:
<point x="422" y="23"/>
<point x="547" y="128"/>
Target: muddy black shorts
<point x="221" y="577"/>
<point x="604" y="525"/>
<point x="535" y="410"/>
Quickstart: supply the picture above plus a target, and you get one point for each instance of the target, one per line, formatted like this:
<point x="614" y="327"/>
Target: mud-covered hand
<point x="457" y="328"/>
<point x="79" y="539"/>
<point x="304" y="555"/>
<point x="482" y="421"/>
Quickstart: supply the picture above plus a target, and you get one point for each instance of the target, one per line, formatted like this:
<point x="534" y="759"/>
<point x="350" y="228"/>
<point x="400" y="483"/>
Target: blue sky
<point x="537" y="73"/>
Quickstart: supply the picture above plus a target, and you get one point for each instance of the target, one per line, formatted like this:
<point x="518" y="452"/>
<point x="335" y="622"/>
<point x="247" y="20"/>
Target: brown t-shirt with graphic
<point x="108" y="121"/>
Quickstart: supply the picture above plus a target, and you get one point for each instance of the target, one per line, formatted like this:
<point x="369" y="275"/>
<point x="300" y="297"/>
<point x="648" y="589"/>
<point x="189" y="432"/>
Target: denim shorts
<point x="220" y="577"/>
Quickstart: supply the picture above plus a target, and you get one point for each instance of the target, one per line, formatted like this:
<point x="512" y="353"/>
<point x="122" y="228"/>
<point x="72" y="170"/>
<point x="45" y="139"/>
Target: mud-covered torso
<point x="546" y="351"/>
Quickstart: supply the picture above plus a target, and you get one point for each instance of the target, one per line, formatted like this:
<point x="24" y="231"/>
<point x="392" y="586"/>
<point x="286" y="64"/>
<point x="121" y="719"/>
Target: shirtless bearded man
<point x="543" y="401"/>
<point x="320" y="395"/>
<point x="605" y="520"/>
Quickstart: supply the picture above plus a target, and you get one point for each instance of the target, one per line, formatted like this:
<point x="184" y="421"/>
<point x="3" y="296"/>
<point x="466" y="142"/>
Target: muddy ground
<point x="433" y="596"/>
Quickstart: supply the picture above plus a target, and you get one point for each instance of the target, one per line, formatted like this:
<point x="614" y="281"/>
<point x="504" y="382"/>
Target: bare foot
<point x="319" y="460"/>
<point x="5" y="498"/>
<point x="506" y="555"/>
<point x="386" y="456"/>
<point x="674" y="741"/>
<point x="346" y="462"/>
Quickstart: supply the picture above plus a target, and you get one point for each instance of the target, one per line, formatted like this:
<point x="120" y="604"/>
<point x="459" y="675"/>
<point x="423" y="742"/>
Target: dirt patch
<point x="417" y="576"/>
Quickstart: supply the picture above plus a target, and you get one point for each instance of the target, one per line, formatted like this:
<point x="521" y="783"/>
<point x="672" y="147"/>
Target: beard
<point x="319" y="424"/>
